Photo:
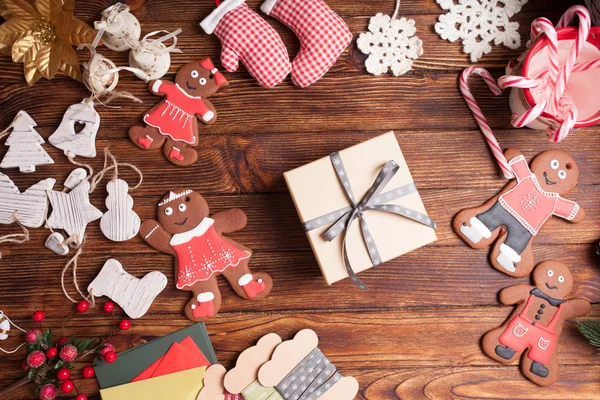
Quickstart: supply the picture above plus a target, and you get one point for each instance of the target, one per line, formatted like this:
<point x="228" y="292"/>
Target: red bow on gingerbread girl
<point x="201" y="252"/>
<point x="175" y="119"/>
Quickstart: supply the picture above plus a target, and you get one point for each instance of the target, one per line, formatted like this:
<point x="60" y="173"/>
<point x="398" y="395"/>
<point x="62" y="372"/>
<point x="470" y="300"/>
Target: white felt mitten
<point x="323" y="36"/>
<point x="247" y="37"/>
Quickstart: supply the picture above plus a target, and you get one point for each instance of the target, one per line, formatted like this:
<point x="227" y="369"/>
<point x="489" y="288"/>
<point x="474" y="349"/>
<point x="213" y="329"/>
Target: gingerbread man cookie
<point x="518" y="212"/>
<point x="175" y="119"/>
<point x="201" y="252"/>
<point x="537" y="322"/>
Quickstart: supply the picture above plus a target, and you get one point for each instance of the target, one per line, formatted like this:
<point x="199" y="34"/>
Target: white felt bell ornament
<point x="554" y="83"/>
<point x="5" y="326"/>
<point x="151" y="55"/>
<point x="118" y="27"/>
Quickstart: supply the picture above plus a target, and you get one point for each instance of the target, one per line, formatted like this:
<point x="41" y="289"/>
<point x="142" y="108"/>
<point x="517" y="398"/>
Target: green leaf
<point x="59" y="364"/>
<point x="83" y="345"/>
<point x="32" y="372"/>
<point x="47" y="337"/>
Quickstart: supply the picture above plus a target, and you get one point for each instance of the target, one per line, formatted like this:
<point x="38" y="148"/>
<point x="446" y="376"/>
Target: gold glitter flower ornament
<point x="41" y="35"/>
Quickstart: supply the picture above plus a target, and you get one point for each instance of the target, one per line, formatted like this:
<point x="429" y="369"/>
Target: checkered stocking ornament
<point x="323" y="36"/>
<point x="246" y="37"/>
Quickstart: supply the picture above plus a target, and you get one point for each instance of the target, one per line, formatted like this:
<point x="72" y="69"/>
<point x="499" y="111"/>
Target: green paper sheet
<point x="130" y="363"/>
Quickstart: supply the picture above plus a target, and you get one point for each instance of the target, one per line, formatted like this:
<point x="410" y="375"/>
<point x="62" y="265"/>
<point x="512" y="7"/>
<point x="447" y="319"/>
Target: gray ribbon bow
<point x="374" y="199"/>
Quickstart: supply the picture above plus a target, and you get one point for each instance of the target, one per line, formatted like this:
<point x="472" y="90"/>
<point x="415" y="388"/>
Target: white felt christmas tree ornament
<point x="390" y="44"/>
<point x="28" y="208"/>
<point x="120" y="222"/>
<point x="78" y="143"/>
<point x="25" y="151"/>
<point x="134" y="295"/>
<point x="478" y="23"/>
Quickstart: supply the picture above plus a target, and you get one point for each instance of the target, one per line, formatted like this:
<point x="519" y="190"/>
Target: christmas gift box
<point x="370" y="184"/>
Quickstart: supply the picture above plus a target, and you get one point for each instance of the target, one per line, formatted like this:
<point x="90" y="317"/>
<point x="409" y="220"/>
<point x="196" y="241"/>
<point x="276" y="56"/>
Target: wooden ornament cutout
<point x="287" y="356"/>
<point x="72" y="211"/>
<point x="78" y="142"/>
<point x="25" y="146"/>
<point x="135" y="296"/>
<point x="344" y="389"/>
<point x="213" y="383"/>
<point x="55" y="243"/>
<point x="31" y="206"/>
<point x="120" y="222"/>
<point x="75" y="178"/>
<point x="249" y="362"/>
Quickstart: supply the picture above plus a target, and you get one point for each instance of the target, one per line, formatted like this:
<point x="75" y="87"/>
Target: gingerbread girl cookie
<point x="536" y="323"/>
<point x="201" y="252"/>
<point x="519" y="211"/>
<point x="174" y="119"/>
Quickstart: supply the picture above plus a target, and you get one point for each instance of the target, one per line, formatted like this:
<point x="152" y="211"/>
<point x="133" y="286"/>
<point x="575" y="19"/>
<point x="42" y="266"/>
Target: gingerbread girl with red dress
<point x="174" y="119"/>
<point x="201" y="252"/>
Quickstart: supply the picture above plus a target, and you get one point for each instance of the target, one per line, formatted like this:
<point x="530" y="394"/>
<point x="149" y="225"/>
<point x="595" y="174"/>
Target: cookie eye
<point x="561" y="279"/>
<point x="168" y="211"/>
<point x="202" y="81"/>
<point x="182" y="207"/>
<point x="550" y="272"/>
<point x="554" y="164"/>
<point x="562" y="174"/>
<point x="194" y="74"/>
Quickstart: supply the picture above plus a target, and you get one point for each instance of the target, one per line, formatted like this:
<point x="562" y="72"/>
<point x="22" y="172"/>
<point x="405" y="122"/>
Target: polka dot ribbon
<point x="374" y="199"/>
<point x="310" y="379"/>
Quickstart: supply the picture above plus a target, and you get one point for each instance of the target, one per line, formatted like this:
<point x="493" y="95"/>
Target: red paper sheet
<point x="180" y="357"/>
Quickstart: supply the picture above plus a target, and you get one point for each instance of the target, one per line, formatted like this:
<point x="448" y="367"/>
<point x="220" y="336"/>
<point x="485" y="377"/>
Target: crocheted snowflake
<point x="479" y="22"/>
<point x="390" y="44"/>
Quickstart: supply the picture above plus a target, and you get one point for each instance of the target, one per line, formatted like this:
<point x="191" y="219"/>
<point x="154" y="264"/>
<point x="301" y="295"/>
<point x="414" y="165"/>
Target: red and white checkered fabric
<point x="323" y="36"/>
<point x="246" y="36"/>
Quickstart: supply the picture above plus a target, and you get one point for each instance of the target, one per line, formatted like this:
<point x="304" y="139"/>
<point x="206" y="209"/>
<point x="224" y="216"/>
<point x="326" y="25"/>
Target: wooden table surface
<point x="416" y="332"/>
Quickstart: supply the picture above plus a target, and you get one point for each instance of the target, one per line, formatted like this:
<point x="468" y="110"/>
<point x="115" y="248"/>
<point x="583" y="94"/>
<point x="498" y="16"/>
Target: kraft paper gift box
<point x="395" y="216"/>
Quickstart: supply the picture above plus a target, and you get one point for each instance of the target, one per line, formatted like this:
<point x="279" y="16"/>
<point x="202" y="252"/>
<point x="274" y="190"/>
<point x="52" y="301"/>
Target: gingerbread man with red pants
<point x="201" y="252"/>
<point x="536" y="324"/>
<point x="173" y="123"/>
<point x="519" y="211"/>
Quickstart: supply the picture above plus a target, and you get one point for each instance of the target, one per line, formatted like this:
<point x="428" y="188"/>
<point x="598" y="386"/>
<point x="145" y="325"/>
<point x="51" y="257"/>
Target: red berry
<point x="110" y="357"/>
<point x="48" y="392"/>
<point x="24" y="365"/>
<point x="39" y="316"/>
<point x="125" y="324"/>
<point x="51" y="352"/>
<point x="109" y="306"/>
<point x="83" y="306"/>
<point x="36" y="359"/>
<point x="33" y="335"/>
<point x="67" y="386"/>
<point x="63" y="374"/>
<point x="88" y="373"/>
<point x="81" y="397"/>
<point x="106" y="348"/>
<point x="68" y="353"/>
<point x="62" y="341"/>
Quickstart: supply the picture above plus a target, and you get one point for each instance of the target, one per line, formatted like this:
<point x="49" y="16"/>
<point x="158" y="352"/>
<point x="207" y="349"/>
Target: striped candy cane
<point x="584" y="29"/>
<point x="544" y="25"/>
<point x="570" y="114"/>
<point x="478" y="114"/>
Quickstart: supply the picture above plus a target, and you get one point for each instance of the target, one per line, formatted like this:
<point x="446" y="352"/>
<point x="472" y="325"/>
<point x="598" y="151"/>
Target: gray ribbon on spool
<point x="374" y="199"/>
<point x="310" y="379"/>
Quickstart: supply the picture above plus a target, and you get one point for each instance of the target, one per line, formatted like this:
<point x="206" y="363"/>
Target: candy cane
<point x="480" y="118"/>
<point x="584" y="30"/>
<point x="544" y="25"/>
<point x="569" y="120"/>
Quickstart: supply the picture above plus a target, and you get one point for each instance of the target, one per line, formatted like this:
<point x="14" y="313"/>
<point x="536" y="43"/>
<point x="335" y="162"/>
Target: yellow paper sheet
<point x="184" y="385"/>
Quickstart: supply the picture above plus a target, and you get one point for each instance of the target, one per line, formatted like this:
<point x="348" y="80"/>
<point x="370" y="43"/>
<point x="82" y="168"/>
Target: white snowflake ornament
<point x="390" y="44"/>
<point x="478" y="23"/>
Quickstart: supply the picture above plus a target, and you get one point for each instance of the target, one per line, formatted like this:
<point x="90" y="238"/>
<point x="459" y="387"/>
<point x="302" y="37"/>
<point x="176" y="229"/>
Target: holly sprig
<point x="590" y="328"/>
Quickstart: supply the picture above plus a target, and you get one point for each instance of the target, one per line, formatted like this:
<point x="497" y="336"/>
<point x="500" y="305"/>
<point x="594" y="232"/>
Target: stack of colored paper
<point x="170" y="367"/>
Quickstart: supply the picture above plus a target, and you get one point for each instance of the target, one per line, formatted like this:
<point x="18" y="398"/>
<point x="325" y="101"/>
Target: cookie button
<point x="540" y="312"/>
<point x="542" y="306"/>
<point x="538" y="317"/>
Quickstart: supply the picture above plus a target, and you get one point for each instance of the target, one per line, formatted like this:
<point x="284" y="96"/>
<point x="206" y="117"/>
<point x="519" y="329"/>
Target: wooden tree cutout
<point x="25" y="146"/>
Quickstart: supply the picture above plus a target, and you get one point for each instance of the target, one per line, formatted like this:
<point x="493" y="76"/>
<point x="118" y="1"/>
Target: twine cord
<point x="15" y="238"/>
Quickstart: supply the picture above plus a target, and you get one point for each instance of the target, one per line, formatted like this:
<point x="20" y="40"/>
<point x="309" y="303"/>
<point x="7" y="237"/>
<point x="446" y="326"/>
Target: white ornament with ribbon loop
<point x="118" y="27"/>
<point x="152" y="56"/>
<point x="390" y="44"/>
